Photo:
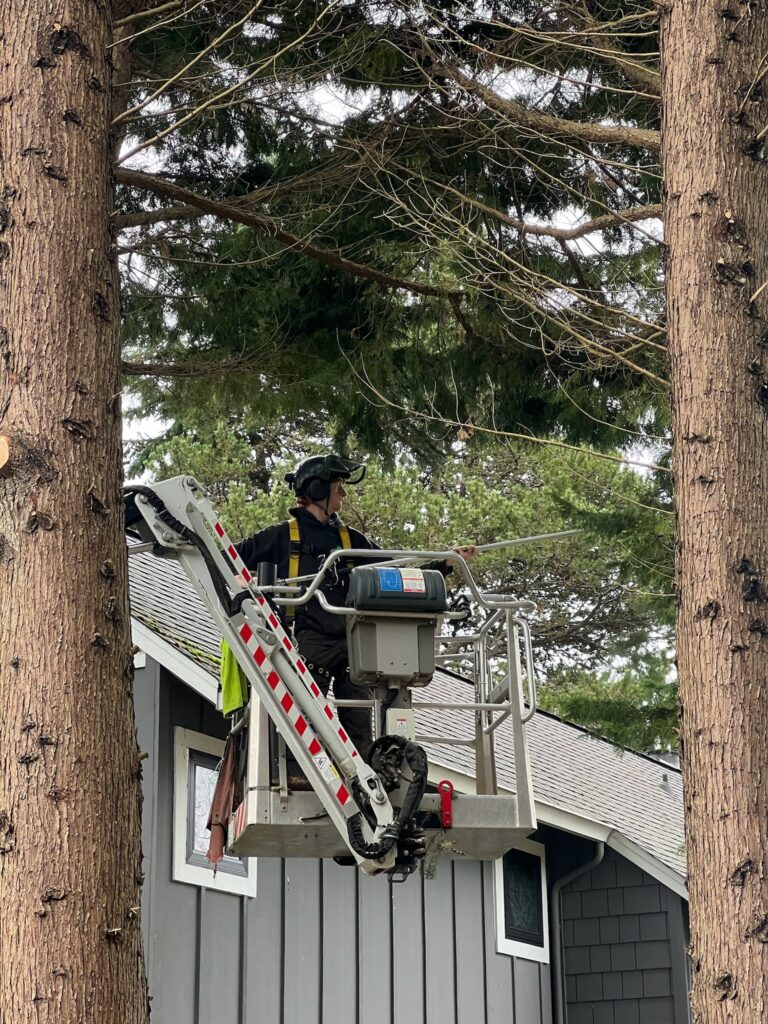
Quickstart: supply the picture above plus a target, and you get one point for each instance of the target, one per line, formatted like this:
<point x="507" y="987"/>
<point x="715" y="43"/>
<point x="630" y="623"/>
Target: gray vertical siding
<point x="623" y="948"/>
<point x="322" y="944"/>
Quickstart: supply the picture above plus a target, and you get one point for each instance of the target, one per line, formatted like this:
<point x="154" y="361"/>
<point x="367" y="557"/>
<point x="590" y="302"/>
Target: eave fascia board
<point x="587" y="828"/>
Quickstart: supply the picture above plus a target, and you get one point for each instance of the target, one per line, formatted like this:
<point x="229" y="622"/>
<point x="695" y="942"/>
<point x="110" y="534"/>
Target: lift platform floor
<point x="484" y="827"/>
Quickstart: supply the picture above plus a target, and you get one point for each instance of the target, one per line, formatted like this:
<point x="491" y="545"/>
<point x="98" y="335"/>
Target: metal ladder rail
<point x="270" y="661"/>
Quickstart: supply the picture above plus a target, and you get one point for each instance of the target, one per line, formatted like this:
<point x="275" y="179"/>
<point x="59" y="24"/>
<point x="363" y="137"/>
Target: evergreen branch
<point x="204" y="369"/>
<point x="140" y="15"/>
<point x="634" y="73"/>
<point x="124" y="40"/>
<point x="458" y="425"/>
<point x="601" y="44"/>
<point x="550" y="124"/>
<point x="609" y="48"/>
<point x="231" y="212"/>
<point x="148" y="217"/>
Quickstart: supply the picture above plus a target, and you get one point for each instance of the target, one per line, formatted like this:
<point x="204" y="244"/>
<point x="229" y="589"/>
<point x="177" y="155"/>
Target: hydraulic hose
<point x="225" y="600"/>
<point x="416" y="759"/>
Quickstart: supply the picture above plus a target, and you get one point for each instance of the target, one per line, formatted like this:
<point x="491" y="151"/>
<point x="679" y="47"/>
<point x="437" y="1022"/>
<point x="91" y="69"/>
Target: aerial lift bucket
<point x="394" y="641"/>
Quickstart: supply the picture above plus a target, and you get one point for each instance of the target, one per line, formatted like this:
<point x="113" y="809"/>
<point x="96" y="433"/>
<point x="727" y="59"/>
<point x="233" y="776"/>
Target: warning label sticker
<point x="413" y="581"/>
<point x="326" y="767"/>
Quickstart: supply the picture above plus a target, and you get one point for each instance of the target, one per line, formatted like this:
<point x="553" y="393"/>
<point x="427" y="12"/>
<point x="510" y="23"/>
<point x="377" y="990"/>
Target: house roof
<point x="581" y="783"/>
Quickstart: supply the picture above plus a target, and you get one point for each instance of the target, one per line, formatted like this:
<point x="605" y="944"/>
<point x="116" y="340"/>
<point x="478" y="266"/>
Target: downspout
<point x="558" y="984"/>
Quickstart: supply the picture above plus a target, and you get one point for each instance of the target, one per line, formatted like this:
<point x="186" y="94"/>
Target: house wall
<point x="320" y="944"/>
<point x="624" y="942"/>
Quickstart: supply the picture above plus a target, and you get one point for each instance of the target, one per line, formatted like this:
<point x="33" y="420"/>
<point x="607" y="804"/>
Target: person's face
<point x="336" y="497"/>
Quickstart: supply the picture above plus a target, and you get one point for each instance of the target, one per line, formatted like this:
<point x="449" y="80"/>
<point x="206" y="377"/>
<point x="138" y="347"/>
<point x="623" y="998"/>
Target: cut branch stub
<point x="5" y="455"/>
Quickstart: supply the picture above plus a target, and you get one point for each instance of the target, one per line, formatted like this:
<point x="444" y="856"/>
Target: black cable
<point x="219" y="584"/>
<point x="416" y="758"/>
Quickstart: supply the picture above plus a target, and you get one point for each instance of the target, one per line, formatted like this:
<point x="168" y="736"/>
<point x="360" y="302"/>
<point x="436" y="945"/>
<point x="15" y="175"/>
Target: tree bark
<point x="70" y="789"/>
<point x="716" y="213"/>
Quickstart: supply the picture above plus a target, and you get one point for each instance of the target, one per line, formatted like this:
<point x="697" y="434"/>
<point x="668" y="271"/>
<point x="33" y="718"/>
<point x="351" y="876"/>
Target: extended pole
<point x="497" y="545"/>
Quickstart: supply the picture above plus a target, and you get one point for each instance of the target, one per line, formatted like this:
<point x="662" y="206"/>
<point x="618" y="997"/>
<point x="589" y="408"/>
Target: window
<point x="522" y="921"/>
<point x="196" y="757"/>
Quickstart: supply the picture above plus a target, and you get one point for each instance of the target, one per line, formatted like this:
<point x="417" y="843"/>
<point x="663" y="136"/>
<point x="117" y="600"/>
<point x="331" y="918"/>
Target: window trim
<point x="192" y="871"/>
<point x="516" y="947"/>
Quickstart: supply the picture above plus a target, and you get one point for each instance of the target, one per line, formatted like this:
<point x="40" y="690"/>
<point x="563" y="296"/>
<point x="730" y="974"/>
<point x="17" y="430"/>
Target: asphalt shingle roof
<point x="573" y="771"/>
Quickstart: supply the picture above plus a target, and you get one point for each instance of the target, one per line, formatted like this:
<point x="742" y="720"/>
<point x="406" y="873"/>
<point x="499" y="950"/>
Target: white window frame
<point x="202" y="876"/>
<point x="515" y="947"/>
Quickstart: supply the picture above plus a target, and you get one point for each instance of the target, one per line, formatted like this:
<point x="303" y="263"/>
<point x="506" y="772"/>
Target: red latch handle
<point x="445" y="789"/>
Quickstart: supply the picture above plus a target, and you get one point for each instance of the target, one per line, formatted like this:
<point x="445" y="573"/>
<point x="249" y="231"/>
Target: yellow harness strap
<point x="294" y="548"/>
<point x="294" y="551"/>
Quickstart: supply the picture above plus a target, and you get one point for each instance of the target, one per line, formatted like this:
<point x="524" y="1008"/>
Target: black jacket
<point x="318" y="541"/>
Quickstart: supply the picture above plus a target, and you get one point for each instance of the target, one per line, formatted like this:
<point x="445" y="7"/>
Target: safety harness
<point x="233" y="683"/>
<point x="295" y="549"/>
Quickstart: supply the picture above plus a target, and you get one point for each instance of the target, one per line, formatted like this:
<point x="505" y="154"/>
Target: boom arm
<point x="177" y="518"/>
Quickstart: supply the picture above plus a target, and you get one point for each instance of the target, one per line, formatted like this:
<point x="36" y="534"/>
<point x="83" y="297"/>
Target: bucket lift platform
<point x="385" y="819"/>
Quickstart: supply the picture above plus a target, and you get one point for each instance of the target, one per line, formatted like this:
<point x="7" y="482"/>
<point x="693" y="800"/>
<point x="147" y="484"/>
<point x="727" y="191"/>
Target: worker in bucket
<point x="298" y="547"/>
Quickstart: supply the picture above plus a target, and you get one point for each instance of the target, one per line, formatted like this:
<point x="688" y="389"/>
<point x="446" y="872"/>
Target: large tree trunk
<point x="717" y="231"/>
<point x="70" y="857"/>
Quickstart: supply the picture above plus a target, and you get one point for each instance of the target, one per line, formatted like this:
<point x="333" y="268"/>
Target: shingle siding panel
<point x="599" y="959"/>
<point x="641" y="899"/>
<point x="616" y="902"/>
<point x="603" y="876"/>
<point x="630" y="1012"/>
<point x="623" y="957"/>
<point x="589" y="987"/>
<point x="604" y="1014"/>
<point x="594" y="903"/>
<point x="586" y="932"/>
<point x="628" y="874"/>
<point x="571" y="905"/>
<point x="657" y="1011"/>
<point x="609" y="930"/>
<point x="653" y="927"/>
<point x="629" y="928"/>
<point x="633" y="984"/>
<point x="657" y="983"/>
<point x="629" y="964"/>
<point x="652" y="954"/>
<point x="612" y="985"/>
<point x="577" y="959"/>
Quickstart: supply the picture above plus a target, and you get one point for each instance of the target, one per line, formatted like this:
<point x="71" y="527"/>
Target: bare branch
<point x="228" y="211"/>
<point x="653" y="211"/>
<point x="140" y="15"/>
<point x="585" y="131"/>
<point x="149" y="217"/>
<point x="456" y="424"/>
<point x="610" y="50"/>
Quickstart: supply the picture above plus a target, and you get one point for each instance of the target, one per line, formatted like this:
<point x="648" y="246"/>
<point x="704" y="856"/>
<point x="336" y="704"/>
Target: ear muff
<point x="317" y="489"/>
